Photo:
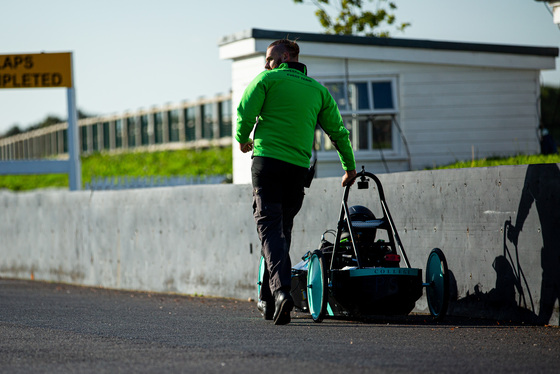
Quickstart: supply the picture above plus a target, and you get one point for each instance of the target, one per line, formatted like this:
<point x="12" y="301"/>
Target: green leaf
<point x="348" y="17"/>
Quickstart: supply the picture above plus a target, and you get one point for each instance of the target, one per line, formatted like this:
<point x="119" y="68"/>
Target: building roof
<point x="389" y="42"/>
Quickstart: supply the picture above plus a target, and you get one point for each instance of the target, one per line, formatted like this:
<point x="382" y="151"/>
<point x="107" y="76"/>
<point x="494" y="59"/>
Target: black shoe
<point x="267" y="313"/>
<point x="284" y="304"/>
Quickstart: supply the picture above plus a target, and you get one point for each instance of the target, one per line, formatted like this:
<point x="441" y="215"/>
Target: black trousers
<point x="278" y="190"/>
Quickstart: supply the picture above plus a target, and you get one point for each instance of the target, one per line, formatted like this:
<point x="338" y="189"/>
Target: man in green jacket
<point x="285" y="106"/>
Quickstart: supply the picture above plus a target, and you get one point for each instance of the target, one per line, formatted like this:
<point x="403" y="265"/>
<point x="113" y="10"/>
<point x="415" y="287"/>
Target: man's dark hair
<point x="288" y="46"/>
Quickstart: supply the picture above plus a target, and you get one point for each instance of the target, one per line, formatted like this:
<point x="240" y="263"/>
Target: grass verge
<point x="214" y="161"/>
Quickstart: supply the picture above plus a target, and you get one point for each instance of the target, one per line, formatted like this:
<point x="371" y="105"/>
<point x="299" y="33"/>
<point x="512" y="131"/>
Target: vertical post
<point x="182" y="123"/>
<point x="124" y="132"/>
<point x="151" y="128"/>
<point x="75" y="172"/>
<point x="216" y="114"/>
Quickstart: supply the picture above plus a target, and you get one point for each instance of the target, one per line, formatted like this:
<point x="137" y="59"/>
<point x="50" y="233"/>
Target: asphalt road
<point x="48" y="328"/>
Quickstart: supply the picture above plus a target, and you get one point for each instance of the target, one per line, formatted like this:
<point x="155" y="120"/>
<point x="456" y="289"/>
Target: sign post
<point x="45" y="70"/>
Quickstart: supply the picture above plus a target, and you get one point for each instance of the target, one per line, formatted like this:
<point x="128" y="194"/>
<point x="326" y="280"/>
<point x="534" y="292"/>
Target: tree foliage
<point x="50" y="120"/>
<point x="346" y="17"/>
<point x="14" y="130"/>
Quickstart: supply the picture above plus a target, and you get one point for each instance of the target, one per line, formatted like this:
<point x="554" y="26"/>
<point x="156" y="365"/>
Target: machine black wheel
<point x="317" y="286"/>
<point x="437" y="280"/>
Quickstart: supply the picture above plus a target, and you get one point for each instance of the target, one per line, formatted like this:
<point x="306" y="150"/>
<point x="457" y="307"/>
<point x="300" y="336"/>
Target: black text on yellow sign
<point x="43" y="70"/>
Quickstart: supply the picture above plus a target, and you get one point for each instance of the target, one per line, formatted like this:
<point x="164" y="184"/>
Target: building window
<point x="119" y="133"/>
<point x="84" y="138"/>
<point x="106" y="135"/>
<point x="208" y="121"/>
<point x="144" y="130"/>
<point x="174" y="125"/>
<point x="190" y="123"/>
<point x="65" y="141"/>
<point x="158" y="127"/>
<point x="95" y="137"/>
<point x="131" y="131"/>
<point x="225" y="118"/>
<point x="368" y="107"/>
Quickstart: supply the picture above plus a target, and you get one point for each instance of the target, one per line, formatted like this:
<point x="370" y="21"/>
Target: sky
<point x="133" y="54"/>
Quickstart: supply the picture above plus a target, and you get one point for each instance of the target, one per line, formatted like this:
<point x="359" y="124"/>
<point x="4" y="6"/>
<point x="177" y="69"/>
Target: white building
<point x="409" y="104"/>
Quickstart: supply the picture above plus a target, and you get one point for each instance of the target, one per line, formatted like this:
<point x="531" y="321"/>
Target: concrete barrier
<point x="498" y="228"/>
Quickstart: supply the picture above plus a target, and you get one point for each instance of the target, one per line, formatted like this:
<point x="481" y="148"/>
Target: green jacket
<point x="286" y="105"/>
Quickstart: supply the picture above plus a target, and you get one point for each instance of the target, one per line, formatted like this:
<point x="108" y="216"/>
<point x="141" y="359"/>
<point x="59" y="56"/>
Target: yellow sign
<point x="36" y="70"/>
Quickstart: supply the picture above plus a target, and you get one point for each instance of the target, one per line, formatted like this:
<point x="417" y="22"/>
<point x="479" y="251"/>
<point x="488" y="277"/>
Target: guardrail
<point x="130" y="182"/>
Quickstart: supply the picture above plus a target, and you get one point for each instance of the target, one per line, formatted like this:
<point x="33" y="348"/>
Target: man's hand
<point x="246" y="147"/>
<point x="347" y="176"/>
